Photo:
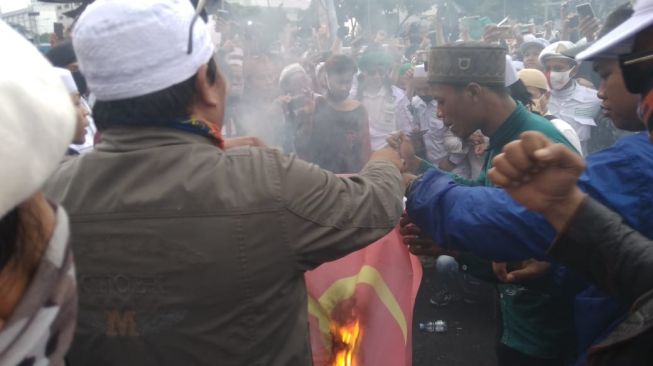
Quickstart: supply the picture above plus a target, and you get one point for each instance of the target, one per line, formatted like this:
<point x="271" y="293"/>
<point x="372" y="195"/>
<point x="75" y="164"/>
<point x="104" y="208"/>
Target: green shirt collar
<point x="509" y="128"/>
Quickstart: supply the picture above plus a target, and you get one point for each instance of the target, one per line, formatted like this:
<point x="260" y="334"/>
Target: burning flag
<point x="361" y="306"/>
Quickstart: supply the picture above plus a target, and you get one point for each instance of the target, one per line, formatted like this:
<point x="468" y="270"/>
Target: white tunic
<point x="577" y="105"/>
<point x="387" y="114"/>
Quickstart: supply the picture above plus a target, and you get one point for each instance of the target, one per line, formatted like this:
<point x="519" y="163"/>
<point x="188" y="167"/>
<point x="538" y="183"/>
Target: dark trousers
<point x="507" y="356"/>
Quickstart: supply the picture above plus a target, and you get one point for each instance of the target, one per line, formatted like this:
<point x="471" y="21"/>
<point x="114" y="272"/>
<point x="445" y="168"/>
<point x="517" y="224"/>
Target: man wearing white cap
<point x="592" y="239"/>
<point x="446" y="155"/>
<point x="538" y="87"/>
<point x="235" y="78"/>
<point x="337" y="137"/>
<point x="189" y="254"/>
<point x="570" y="101"/>
<point x="38" y="299"/>
<point x="530" y="50"/>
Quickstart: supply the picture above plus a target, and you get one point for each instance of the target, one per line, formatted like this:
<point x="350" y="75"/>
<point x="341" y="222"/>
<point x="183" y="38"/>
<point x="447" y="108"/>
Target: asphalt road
<point x="470" y="316"/>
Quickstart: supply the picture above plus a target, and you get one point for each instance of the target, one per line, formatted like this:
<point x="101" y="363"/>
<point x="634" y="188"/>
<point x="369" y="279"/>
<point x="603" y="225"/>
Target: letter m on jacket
<point x="121" y="323"/>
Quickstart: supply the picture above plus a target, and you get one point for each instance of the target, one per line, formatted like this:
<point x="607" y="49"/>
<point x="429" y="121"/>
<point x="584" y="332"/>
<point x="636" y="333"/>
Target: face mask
<point x="559" y="80"/>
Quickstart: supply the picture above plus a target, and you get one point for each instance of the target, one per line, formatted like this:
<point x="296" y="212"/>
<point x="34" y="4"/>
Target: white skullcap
<point x="511" y="73"/>
<point x="37" y="120"/>
<point x="67" y="78"/>
<point x="290" y="70"/>
<point x="556" y="50"/>
<point x="130" y="48"/>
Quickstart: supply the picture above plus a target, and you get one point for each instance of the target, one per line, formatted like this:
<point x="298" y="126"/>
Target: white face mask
<point x="559" y="80"/>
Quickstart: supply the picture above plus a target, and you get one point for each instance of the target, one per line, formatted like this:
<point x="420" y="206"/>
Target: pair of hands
<point x="477" y="140"/>
<point x="588" y="27"/>
<point x="537" y="173"/>
<point x="419" y="243"/>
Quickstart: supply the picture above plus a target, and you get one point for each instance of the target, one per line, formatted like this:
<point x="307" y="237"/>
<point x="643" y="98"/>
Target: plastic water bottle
<point x="438" y="326"/>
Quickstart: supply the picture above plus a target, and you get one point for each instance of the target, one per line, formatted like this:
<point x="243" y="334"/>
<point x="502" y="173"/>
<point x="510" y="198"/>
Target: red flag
<point x="365" y="298"/>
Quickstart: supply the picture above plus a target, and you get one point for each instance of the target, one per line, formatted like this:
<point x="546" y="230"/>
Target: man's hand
<point x="528" y="270"/>
<point x="492" y="34"/>
<point x="540" y="175"/>
<point x="243" y="141"/>
<point x="390" y="155"/>
<point x="446" y="165"/>
<point x="419" y="243"/>
<point x="405" y="146"/>
<point x="589" y="27"/>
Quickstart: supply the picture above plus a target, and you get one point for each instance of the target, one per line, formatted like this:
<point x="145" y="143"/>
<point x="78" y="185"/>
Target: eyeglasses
<point x="198" y="10"/>
<point x="636" y="76"/>
<point x="636" y="58"/>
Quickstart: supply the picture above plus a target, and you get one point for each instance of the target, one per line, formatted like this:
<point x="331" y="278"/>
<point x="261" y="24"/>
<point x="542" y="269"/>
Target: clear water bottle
<point x="437" y="326"/>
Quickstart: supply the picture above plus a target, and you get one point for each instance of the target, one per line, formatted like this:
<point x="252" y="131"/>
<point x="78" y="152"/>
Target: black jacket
<point x="617" y="258"/>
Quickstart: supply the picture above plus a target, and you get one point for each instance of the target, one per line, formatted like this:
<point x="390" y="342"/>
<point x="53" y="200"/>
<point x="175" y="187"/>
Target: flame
<point x="346" y="341"/>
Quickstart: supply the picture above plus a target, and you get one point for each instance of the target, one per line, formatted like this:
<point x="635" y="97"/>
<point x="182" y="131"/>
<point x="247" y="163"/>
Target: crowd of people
<point x="167" y="180"/>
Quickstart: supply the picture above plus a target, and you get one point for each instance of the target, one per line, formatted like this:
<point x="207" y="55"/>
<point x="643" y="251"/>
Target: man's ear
<point x="204" y="89"/>
<point x="473" y="90"/>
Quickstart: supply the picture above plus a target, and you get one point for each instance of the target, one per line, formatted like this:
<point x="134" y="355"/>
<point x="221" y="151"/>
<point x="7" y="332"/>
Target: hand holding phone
<point x="585" y="10"/>
<point x="573" y="21"/>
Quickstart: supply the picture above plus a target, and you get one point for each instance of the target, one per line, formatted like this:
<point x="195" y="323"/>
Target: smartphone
<point x="585" y="10"/>
<point x="574" y="21"/>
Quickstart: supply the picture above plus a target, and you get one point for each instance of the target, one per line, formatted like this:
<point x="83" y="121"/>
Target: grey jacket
<point x="600" y="246"/>
<point x="189" y="255"/>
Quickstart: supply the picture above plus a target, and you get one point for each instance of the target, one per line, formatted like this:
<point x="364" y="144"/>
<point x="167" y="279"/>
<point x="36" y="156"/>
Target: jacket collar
<point x="138" y="138"/>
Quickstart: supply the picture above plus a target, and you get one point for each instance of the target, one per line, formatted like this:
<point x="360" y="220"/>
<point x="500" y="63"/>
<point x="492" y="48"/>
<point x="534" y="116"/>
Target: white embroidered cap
<point x="128" y="48"/>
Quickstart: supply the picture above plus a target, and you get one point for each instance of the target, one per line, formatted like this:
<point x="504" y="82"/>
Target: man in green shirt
<point x="467" y="80"/>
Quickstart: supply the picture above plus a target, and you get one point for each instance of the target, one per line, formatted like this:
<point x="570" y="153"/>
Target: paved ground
<point x="471" y="333"/>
